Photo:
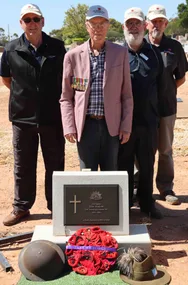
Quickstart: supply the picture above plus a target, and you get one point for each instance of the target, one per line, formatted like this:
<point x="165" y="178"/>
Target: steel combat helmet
<point x="41" y="260"/>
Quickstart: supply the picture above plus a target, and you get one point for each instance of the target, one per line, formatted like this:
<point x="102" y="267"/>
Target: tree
<point x="115" y="32"/>
<point x="174" y="27"/>
<point x="183" y="14"/>
<point x="115" y="26"/>
<point x="114" y="36"/>
<point x="74" y="27"/>
<point x="74" y="23"/>
<point x="58" y="34"/>
<point x="14" y="36"/>
<point x="3" y="38"/>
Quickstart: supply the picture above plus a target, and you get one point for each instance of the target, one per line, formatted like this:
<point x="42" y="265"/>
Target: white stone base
<point x="138" y="236"/>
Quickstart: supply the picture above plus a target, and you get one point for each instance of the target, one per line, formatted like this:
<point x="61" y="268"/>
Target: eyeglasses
<point x="98" y="25"/>
<point x="130" y="24"/>
<point x="28" y="20"/>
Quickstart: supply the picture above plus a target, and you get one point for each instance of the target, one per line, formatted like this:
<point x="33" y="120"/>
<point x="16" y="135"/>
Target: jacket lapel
<point x="108" y="61"/>
<point x="85" y="64"/>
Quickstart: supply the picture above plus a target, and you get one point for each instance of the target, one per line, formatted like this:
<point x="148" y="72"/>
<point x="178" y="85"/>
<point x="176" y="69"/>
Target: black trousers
<point x="25" y="145"/>
<point x="97" y="147"/>
<point x="143" y="145"/>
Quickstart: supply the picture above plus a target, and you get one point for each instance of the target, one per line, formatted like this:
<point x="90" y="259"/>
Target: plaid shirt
<point x="96" y="100"/>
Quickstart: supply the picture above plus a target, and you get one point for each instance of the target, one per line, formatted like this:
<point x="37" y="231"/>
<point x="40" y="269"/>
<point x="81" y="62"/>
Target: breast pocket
<point x="170" y="60"/>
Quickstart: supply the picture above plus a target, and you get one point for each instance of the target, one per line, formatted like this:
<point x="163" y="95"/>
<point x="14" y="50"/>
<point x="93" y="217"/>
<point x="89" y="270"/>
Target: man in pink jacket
<point x="96" y="101"/>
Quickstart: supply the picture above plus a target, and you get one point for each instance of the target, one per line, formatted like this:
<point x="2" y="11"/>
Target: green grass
<point x="109" y="278"/>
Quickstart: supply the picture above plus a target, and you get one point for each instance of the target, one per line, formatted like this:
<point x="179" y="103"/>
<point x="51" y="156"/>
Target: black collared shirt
<point x="35" y="52"/>
<point x="148" y="86"/>
<point x="176" y="65"/>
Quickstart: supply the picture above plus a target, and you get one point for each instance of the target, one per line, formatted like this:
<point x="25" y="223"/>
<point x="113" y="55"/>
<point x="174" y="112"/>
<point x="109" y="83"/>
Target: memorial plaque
<point x="91" y="204"/>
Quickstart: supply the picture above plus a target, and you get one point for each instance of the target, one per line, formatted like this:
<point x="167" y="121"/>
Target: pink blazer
<point x="117" y="91"/>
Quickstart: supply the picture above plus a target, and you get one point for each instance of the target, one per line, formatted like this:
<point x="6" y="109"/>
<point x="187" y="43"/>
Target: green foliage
<point x="114" y="36"/>
<point x="68" y="41"/>
<point x="6" y="38"/>
<point x="74" y="29"/>
<point x="58" y="34"/>
<point x="3" y="37"/>
<point x="115" y="26"/>
<point x="74" y="23"/>
<point x="78" y="40"/>
<point x="115" y="32"/>
<point x="183" y="14"/>
<point x="174" y="28"/>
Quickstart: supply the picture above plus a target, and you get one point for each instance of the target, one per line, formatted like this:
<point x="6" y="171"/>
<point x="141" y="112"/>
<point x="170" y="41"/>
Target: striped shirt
<point x="96" y="100"/>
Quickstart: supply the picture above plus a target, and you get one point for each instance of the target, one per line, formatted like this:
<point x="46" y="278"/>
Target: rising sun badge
<point x="96" y="196"/>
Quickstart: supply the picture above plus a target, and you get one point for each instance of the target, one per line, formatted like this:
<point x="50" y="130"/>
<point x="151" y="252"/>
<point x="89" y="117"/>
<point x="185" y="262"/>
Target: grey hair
<point x="126" y="260"/>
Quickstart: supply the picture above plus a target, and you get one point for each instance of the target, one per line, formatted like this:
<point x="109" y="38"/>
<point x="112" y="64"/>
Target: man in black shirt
<point x="31" y="67"/>
<point x="146" y="67"/>
<point x="175" y="63"/>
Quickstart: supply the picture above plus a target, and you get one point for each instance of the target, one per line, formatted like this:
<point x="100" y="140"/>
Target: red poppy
<point x="98" y="258"/>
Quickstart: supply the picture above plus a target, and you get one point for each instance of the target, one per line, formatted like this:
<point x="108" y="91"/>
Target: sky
<point x="54" y="11"/>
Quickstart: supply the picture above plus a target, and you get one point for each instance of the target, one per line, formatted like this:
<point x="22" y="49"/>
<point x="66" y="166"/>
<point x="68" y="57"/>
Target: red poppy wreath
<point x="91" y="251"/>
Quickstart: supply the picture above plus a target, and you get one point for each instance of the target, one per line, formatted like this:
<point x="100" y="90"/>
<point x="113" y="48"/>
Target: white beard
<point x="156" y="34"/>
<point x="134" y="39"/>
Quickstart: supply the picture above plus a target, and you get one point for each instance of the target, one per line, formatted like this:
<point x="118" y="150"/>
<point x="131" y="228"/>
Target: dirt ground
<point x="169" y="236"/>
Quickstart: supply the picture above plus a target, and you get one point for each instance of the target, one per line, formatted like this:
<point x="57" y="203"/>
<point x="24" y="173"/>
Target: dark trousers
<point x="143" y="145"/>
<point x="25" y="145"/>
<point x="97" y="147"/>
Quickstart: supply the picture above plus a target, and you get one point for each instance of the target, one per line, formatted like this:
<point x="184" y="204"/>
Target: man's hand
<point x="124" y="137"/>
<point x="7" y="81"/>
<point x="72" y="138"/>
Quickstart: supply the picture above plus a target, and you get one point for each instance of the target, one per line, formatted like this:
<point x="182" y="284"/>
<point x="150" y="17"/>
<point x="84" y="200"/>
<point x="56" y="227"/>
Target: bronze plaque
<point x="91" y="205"/>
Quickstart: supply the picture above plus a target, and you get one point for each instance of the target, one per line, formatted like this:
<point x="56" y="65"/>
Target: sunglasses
<point x="28" y="20"/>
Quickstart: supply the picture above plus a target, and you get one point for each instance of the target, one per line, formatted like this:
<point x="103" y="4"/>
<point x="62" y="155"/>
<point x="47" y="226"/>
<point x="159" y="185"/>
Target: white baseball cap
<point x="97" y="11"/>
<point x="30" y="8"/>
<point x="156" y="11"/>
<point x="134" y="13"/>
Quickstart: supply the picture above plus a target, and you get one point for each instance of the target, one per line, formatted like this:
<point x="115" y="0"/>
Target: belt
<point x="96" y="117"/>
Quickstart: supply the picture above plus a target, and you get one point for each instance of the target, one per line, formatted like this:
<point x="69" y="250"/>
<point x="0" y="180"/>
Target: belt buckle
<point x="97" y="117"/>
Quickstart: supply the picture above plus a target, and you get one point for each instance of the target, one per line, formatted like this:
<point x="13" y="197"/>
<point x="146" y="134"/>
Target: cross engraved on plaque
<point x="75" y="202"/>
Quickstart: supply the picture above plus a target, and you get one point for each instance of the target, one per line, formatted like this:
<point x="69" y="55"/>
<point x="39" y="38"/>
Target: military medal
<point x="79" y="83"/>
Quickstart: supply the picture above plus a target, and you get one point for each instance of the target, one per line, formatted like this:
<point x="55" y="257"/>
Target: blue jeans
<point x="97" y="147"/>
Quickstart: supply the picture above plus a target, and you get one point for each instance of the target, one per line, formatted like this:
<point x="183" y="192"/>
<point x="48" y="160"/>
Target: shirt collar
<point x="148" y="40"/>
<point x="28" y="44"/>
<point x="144" y="45"/>
<point x="100" y="52"/>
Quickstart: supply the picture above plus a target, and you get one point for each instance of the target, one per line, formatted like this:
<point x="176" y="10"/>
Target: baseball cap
<point x="97" y="11"/>
<point x="134" y="13"/>
<point x="30" y="8"/>
<point x="156" y="11"/>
